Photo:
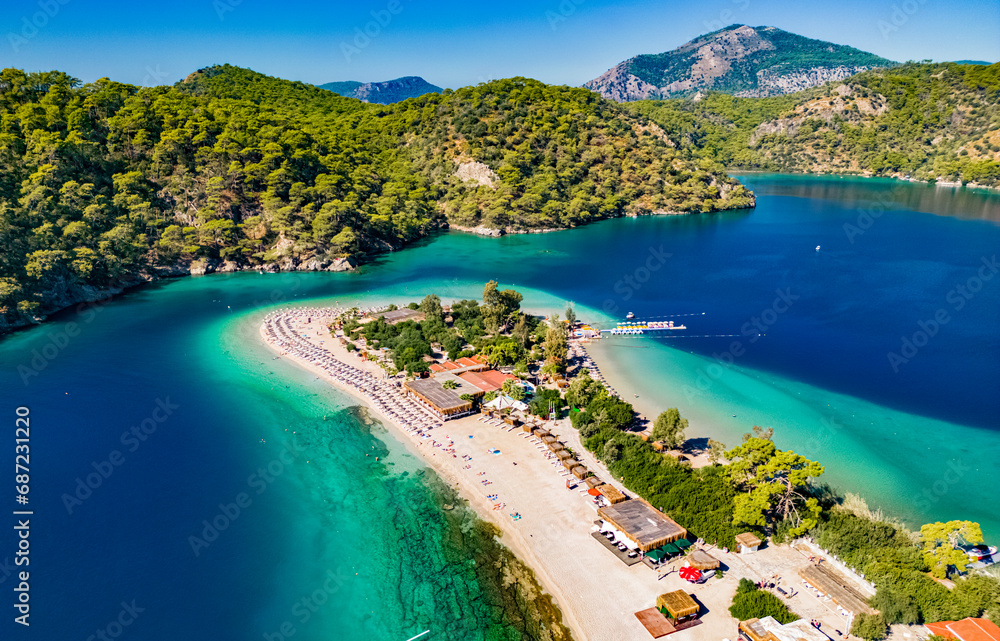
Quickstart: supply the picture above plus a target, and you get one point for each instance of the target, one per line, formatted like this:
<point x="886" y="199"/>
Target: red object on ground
<point x="594" y="491"/>
<point x="690" y="574"/>
<point x="966" y="630"/>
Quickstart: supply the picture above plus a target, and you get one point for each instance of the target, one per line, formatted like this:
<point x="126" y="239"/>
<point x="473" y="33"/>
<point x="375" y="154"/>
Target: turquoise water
<point x="370" y="538"/>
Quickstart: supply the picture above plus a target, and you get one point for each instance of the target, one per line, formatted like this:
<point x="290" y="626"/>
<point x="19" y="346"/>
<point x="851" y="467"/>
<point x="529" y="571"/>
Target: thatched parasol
<point x="611" y="493"/>
<point x="702" y="560"/>
<point x="678" y="603"/>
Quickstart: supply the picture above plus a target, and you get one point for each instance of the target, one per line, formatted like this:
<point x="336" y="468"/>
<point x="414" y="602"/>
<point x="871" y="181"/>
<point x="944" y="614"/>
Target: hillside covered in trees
<point x="927" y="121"/>
<point x="105" y="185"/>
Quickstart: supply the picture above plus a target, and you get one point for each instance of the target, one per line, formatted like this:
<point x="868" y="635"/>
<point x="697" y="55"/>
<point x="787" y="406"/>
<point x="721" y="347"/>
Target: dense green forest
<point x="105" y="184"/>
<point x="927" y="121"/>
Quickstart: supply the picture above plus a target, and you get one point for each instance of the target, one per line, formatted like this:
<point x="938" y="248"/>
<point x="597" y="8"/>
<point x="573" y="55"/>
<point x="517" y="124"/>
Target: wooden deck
<point x="660" y="626"/>
<point x="622" y="556"/>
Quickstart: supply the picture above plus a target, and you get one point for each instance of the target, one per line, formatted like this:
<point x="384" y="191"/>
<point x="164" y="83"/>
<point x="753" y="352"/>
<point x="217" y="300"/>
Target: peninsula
<point x="511" y="410"/>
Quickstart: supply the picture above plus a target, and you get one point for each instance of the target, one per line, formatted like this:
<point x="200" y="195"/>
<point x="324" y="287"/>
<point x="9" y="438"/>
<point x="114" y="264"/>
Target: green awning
<point x="682" y="543"/>
<point x="656" y="554"/>
<point x="671" y="549"/>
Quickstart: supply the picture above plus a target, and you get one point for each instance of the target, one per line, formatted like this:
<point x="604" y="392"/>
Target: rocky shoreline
<point x="64" y="295"/>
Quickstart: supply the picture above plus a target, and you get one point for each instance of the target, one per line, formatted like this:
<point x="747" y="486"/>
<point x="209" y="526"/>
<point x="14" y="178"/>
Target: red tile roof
<point x="486" y="380"/>
<point x="436" y="367"/>
<point x="966" y="630"/>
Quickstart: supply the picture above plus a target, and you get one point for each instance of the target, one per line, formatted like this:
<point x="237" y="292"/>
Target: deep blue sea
<point x="247" y="500"/>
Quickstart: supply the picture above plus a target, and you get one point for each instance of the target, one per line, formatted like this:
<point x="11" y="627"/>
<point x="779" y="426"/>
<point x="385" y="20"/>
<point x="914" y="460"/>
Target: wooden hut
<point x="569" y="463"/>
<point x="747" y="542"/>
<point x="646" y="526"/>
<point x="562" y="455"/>
<point x="679" y="606"/>
<point x="548" y="438"/>
<point x="580" y="472"/>
<point x="702" y="560"/>
<point x="593" y="481"/>
<point x="611" y="493"/>
<point x="541" y="432"/>
<point x="556" y="446"/>
<point x="527" y="427"/>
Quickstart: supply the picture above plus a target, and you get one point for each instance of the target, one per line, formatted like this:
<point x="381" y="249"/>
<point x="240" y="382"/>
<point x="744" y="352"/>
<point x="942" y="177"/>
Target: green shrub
<point x="870" y="627"/>
<point x="753" y="603"/>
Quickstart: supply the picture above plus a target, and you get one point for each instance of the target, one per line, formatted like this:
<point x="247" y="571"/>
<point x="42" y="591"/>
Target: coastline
<point x="510" y="537"/>
<point x="545" y="526"/>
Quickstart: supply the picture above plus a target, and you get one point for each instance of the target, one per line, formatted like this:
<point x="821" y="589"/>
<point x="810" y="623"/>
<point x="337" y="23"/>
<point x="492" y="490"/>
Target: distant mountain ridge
<point x="383" y="93"/>
<point x="740" y="60"/>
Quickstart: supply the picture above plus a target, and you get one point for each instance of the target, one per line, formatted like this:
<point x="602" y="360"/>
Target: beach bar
<point x="747" y="542"/>
<point x="445" y="402"/>
<point x="679" y="606"/>
<point x="646" y="526"/>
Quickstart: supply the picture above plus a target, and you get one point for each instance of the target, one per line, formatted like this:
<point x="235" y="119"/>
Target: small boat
<point x="817" y="247"/>
<point x="981" y="552"/>
<point x="630" y="316"/>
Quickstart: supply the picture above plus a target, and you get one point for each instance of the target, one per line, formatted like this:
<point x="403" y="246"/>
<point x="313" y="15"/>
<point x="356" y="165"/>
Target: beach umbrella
<point x="594" y="492"/>
<point x="690" y="574"/>
<point x="656" y="554"/>
<point x="683" y="544"/>
<point x="671" y="549"/>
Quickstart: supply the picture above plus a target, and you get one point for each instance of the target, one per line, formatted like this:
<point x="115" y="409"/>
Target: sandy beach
<point x="522" y="490"/>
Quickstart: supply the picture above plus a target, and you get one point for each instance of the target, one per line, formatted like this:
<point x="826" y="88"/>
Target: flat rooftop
<point x="443" y="399"/>
<point x="643" y="523"/>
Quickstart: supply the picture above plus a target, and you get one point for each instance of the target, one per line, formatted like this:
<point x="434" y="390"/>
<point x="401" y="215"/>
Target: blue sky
<point x="451" y="43"/>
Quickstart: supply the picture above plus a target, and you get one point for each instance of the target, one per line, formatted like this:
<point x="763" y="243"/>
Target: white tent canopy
<point x="503" y="401"/>
<point x="619" y="536"/>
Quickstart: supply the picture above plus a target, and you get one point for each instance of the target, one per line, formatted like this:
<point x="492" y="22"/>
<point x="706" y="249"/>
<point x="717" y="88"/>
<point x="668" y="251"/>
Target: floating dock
<point x="643" y="327"/>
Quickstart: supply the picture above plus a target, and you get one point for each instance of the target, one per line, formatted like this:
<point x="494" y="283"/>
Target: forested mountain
<point x="739" y="60"/>
<point x="383" y="93"/>
<point x="927" y="121"/>
<point x="104" y="185"/>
